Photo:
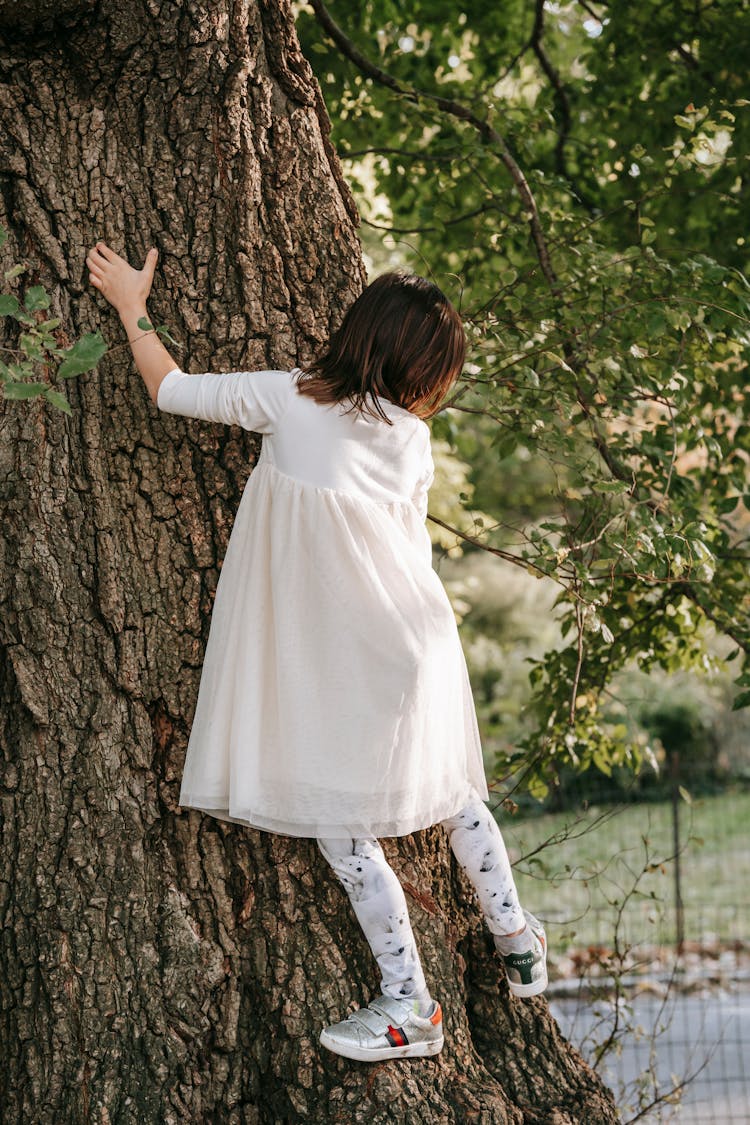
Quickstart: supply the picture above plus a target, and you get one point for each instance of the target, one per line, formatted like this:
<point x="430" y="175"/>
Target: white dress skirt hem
<point x="217" y="808"/>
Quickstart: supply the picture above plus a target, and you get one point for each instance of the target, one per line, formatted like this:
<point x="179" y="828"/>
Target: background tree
<point x="576" y="175"/>
<point x="161" y="966"/>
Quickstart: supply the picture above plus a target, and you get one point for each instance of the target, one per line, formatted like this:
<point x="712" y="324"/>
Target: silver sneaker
<point x="527" y="971"/>
<point x="387" y="1028"/>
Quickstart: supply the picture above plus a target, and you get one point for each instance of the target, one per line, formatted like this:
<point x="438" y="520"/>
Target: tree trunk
<point x="160" y="965"/>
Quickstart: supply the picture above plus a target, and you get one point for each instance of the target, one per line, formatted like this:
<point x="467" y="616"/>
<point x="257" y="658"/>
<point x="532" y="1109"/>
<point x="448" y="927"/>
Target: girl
<point x="334" y="701"/>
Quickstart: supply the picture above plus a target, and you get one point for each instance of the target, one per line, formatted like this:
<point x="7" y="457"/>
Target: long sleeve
<point x="419" y="497"/>
<point x="255" y="400"/>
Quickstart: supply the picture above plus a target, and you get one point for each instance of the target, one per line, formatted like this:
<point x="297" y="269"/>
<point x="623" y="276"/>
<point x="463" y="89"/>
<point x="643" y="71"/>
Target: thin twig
<point x="462" y="113"/>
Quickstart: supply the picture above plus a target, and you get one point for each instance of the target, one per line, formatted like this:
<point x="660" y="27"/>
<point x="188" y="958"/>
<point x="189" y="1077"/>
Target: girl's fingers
<point x="150" y="264"/>
<point x="110" y="256"/>
<point x="94" y="280"/>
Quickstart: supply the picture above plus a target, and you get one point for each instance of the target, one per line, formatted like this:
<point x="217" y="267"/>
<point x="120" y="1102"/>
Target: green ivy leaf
<point x="23" y="390"/>
<point x="57" y="400"/>
<point x="30" y="345"/>
<point x="83" y="355"/>
<point x="36" y="298"/>
<point x="8" y="304"/>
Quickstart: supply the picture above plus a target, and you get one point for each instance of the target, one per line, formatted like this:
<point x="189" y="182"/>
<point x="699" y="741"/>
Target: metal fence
<point x="647" y="911"/>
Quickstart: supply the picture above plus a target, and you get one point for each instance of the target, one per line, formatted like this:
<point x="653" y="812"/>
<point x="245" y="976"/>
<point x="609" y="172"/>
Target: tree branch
<point x="483" y="210"/>
<point x="507" y="555"/>
<point x="462" y="113"/>
<point x="560" y="93"/>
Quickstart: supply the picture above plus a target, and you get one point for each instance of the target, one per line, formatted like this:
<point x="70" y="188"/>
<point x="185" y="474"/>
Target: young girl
<point x="334" y="701"/>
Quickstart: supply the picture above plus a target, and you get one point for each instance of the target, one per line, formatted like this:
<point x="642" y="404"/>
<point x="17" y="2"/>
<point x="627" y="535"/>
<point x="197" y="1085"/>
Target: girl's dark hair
<point x="401" y="340"/>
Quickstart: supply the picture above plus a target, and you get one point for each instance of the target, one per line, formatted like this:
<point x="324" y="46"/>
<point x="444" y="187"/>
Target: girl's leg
<point x="519" y="937"/>
<point x="378" y="901"/>
<point x="478" y="845"/>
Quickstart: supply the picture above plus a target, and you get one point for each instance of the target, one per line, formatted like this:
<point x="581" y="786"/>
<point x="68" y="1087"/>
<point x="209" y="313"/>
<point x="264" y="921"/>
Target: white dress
<point x="334" y="698"/>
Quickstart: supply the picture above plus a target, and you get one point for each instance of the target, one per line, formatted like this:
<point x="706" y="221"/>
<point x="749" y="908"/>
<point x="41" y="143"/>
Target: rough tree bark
<point x="159" y="965"/>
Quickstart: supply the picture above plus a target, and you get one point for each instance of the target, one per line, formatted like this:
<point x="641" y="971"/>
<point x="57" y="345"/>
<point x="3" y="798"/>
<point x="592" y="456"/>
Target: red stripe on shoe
<point x="396" y="1037"/>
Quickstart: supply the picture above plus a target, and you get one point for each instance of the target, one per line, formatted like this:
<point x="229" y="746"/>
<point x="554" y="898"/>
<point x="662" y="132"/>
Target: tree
<point x="159" y="965"/>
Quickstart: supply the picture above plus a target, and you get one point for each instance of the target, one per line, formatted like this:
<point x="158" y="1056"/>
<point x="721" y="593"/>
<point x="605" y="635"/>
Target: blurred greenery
<point x="580" y="192"/>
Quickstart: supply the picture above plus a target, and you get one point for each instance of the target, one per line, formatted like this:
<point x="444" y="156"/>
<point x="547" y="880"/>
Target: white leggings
<point x="378" y="899"/>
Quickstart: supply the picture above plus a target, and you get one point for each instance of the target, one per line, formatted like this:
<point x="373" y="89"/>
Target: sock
<point x="518" y="943"/>
<point x="423" y="1004"/>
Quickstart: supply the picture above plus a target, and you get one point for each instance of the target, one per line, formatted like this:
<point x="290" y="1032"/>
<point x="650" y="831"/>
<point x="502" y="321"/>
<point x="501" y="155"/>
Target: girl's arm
<point x="127" y="289"/>
<point x="254" y="400"/>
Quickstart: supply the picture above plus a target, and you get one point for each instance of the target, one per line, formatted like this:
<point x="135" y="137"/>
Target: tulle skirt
<point x="334" y="698"/>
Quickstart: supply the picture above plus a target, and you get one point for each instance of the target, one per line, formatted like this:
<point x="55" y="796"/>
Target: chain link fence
<point x="647" y="913"/>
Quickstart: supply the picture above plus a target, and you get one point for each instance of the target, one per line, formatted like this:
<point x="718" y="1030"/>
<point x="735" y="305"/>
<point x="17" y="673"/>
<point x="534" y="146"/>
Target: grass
<point x="579" y="870"/>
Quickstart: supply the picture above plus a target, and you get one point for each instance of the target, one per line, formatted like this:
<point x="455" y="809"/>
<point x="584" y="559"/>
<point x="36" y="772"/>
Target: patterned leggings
<point x="378" y="899"/>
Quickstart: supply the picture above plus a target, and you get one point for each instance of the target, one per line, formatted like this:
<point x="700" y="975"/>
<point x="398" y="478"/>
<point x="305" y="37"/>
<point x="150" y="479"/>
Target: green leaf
<point x="8" y="304"/>
<point x="57" y="400"/>
<point x="14" y="271"/>
<point x="602" y="763"/>
<point x="23" y="390"/>
<point x="145" y="324"/>
<point x="36" y="298"/>
<point x="83" y="355"/>
<point x="163" y="331"/>
<point x="610" y="486"/>
<point x="742" y="700"/>
<point x="29" y="343"/>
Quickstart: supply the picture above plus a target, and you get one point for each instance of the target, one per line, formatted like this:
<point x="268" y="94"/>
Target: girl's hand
<point x="124" y="287"/>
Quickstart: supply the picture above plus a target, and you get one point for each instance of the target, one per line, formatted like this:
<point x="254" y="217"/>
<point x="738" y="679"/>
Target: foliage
<point x="42" y="353"/>
<point x="40" y="345"/>
<point x="573" y="175"/>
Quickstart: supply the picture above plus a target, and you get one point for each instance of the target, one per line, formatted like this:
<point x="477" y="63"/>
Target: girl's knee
<point x="470" y="816"/>
<point x="335" y="848"/>
<point x="357" y="863"/>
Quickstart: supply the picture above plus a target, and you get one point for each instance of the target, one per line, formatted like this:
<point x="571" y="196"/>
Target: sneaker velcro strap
<point x="392" y="1010"/>
<point x="369" y="1020"/>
